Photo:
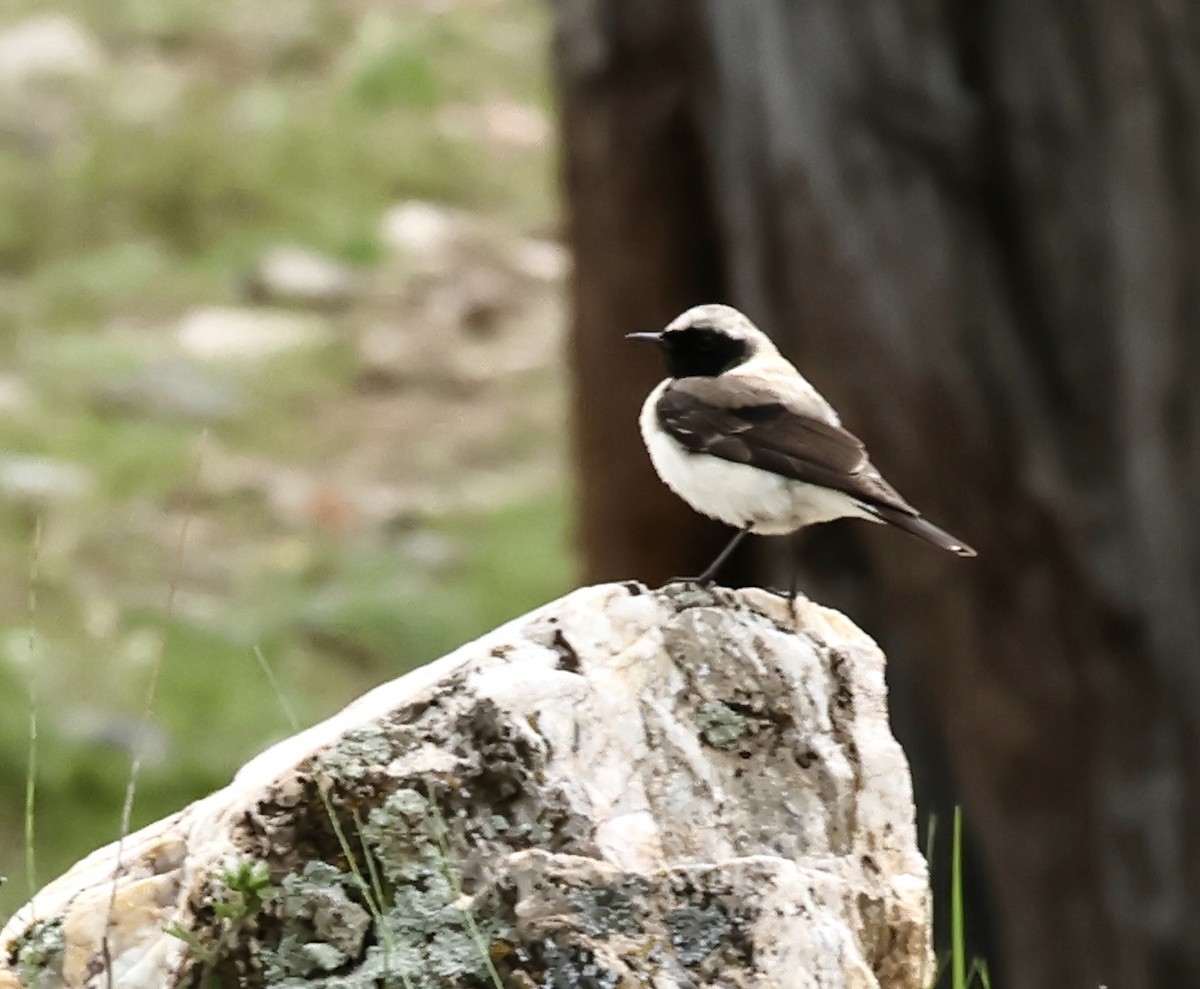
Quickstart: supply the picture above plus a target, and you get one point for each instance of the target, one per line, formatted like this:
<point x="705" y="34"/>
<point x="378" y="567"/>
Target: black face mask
<point x="702" y="352"/>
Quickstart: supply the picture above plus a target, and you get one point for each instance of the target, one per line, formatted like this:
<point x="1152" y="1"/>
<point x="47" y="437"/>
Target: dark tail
<point x="923" y="529"/>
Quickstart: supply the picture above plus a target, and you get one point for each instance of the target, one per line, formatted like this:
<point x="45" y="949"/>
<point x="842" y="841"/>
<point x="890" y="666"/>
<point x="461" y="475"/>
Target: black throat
<point x="702" y="352"/>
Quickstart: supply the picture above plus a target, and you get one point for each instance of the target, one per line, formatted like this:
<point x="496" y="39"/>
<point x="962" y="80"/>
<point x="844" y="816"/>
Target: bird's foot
<point x="701" y="581"/>
<point x="790" y="596"/>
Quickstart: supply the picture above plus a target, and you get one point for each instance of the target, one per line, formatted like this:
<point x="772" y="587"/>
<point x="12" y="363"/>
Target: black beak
<point x="652" y="337"/>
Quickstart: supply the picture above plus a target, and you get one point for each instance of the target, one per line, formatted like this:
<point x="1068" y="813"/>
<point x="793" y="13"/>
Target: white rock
<point x="42" y="480"/>
<point x="52" y="46"/>
<point x="542" y="259"/>
<point x="517" y="125"/>
<point x="420" y="229"/>
<point x="667" y="789"/>
<point x="292" y="275"/>
<point x="220" y="332"/>
<point x="15" y="395"/>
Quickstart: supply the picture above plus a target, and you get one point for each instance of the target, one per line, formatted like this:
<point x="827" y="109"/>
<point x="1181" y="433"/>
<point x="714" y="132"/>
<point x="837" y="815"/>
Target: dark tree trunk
<point x="643" y="228"/>
<point x="976" y="229"/>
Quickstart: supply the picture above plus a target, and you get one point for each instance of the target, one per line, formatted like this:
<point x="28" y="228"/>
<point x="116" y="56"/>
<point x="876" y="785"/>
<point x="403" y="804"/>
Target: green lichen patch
<point x="720" y="725"/>
<point x="39" y="954"/>
<point x="323" y="925"/>
<point x="696" y="931"/>
<point x="425" y="939"/>
<point x="395" y="917"/>
<point x="403" y="835"/>
<point x="503" y="801"/>
<point x="564" y="960"/>
<point x="606" y="910"/>
<point x="707" y="921"/>
<point x="360" y="754"/>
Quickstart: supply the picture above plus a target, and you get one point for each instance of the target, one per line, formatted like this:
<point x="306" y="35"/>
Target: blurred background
<point x="286" y="274"/>
<point x="976" y="229"/>
<point x="340" y="287"/>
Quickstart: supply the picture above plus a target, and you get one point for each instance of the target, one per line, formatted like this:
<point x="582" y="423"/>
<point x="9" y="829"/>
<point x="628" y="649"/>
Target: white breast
<point x="738" y="494"/>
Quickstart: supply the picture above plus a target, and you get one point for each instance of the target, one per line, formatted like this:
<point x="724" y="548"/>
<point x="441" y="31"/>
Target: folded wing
<point x="745" y="425"/>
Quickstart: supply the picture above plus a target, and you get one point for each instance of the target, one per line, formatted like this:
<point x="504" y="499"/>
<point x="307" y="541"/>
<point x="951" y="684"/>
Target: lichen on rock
<point x="624" y="788"/>
<point x="40" y="950"/>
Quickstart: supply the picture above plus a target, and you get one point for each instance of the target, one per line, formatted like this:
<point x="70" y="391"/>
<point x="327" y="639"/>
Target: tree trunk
<point x="976" y="229"/>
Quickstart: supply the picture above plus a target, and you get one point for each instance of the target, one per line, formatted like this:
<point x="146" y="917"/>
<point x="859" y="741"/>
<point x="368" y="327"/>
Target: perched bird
<point x="739" y="435"/>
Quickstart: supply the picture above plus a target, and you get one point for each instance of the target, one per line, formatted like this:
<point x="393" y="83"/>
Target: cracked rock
<point x="668" y="789"/>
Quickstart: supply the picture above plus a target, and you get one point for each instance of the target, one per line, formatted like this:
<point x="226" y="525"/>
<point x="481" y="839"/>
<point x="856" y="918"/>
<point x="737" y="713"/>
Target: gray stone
<point x="296" y="276"/>
<point x="432" y="551"/>
<point x="626" y="788"/>
<point x="174" y="389"/>
<point x="137" y="738"/>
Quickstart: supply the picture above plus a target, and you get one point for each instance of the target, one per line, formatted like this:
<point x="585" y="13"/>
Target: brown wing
<point x="736" y="423"/>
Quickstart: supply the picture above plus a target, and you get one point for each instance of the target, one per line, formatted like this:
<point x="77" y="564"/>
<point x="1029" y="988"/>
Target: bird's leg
<point x="711" y="572"/>
<point x="794" y="586"/>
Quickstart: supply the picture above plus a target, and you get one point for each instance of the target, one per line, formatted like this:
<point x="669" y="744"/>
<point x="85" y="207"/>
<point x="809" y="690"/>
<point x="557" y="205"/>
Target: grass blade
<point x="31" y="767"/>
<point x="958" y="947"/>
<point x="930" y="845"/>
<point x="135" y="765"/>
<point x="456" y="888"/>
<point x="288" y="711"/>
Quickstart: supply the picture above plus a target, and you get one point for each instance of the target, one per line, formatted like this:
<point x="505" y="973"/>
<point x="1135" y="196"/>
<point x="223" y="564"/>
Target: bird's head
<point x="707" y="341"/>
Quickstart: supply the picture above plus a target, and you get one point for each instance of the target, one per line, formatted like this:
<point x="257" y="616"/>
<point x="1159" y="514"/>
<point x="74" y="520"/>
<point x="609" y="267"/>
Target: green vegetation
<point x="964" y="969"/>
<point x="215" y="130"/>
<point x="246" y="884"/>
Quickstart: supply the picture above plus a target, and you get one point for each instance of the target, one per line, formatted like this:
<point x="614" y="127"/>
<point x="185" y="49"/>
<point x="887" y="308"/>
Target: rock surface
<point x="625" y="788"/>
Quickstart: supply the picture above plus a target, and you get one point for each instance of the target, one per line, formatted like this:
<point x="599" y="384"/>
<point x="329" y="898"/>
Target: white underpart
<point x="738" y="494"/>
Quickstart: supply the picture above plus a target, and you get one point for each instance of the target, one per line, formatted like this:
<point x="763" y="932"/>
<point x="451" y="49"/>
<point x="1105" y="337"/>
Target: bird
<point x="740" y="435"/>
